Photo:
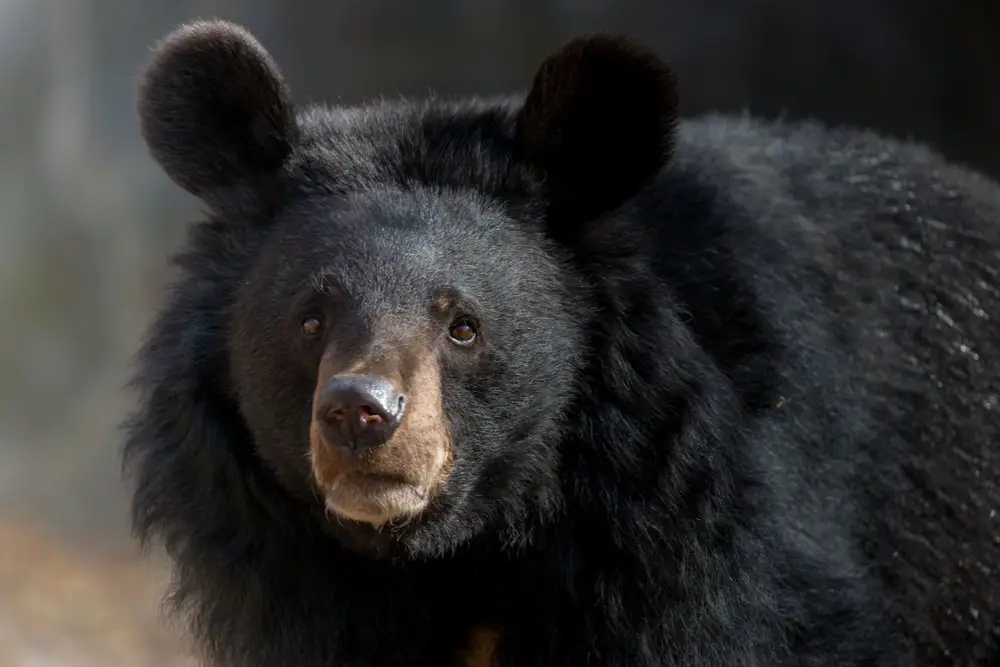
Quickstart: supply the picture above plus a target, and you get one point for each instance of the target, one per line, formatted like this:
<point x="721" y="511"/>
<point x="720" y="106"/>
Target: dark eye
<point x="462" y="332"/>
<point x="312" y="326"/>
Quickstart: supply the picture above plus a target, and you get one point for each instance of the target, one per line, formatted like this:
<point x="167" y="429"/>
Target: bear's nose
<point x="359" y="411"/>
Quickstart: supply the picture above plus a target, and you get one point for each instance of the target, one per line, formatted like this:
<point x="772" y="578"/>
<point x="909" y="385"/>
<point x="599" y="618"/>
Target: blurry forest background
<point x="88" y="220"/>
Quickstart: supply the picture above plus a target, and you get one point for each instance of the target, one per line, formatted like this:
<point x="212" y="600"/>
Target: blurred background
<point x="88" y="220"/>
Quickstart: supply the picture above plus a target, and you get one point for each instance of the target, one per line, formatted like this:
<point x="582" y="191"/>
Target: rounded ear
<point x="216" y="113"/>
<point x="597" y="125"/>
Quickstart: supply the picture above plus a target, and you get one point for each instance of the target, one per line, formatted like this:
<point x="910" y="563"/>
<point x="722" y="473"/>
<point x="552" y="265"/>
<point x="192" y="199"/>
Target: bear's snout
<point x="380" y="442"/>
<point x="358" y="412"/>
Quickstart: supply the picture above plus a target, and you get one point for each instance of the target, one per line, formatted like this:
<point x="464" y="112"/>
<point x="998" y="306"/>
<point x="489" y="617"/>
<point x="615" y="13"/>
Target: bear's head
<point x="393" y="299"/>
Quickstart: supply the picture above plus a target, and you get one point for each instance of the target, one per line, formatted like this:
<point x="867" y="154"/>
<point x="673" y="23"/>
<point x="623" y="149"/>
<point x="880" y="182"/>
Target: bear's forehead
<point x="400" y="197"/>
<point x="414" y="222"/>
<point x="400" y="240"/>
<point x="457" y="144"/>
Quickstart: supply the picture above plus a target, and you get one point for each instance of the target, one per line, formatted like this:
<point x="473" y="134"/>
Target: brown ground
<point x="63" y="604"/>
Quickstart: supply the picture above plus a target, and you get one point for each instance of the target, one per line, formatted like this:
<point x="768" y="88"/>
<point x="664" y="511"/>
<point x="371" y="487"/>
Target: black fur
<point x="217" y="115"/>
<point x="737" y="408"/>
<point x="597" y="125"/>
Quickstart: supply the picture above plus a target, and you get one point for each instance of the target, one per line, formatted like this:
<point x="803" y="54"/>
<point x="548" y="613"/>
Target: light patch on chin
<point x="375" y="501"/>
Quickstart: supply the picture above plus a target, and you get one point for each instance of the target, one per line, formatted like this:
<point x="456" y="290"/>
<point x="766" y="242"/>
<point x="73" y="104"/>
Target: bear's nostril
<point x="368" y="417"/>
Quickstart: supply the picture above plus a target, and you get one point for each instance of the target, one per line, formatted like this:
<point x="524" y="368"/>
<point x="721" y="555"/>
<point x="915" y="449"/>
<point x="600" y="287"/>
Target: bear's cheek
<point x="396" y="480"/>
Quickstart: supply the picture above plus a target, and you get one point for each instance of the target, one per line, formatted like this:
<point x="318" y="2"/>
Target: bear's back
<point x="875" y="266"/>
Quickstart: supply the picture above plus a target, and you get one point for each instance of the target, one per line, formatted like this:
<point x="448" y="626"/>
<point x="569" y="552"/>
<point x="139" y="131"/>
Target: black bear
<point x="561" y="380"/>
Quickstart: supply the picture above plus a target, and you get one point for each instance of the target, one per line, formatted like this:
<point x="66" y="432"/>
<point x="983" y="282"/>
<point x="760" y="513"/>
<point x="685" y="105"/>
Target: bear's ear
<point x="597" y="125"/>
<point x="215" y="112"/>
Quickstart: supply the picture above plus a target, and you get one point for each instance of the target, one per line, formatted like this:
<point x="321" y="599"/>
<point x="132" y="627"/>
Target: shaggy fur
<point x="734" y="400"/>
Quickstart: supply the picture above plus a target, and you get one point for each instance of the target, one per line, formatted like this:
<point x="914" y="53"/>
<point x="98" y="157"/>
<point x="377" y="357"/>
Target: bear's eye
<point x="462" y="332"/>
<point x="312" y="326"/>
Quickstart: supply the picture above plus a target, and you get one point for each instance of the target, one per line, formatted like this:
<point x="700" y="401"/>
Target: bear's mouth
<point x="375" y="499"/>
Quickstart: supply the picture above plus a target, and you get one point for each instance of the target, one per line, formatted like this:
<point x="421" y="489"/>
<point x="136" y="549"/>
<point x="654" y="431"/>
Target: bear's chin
<point x="371" y="515"/>
<point x="377" y="500"/>
<point x="423" y="536"/>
